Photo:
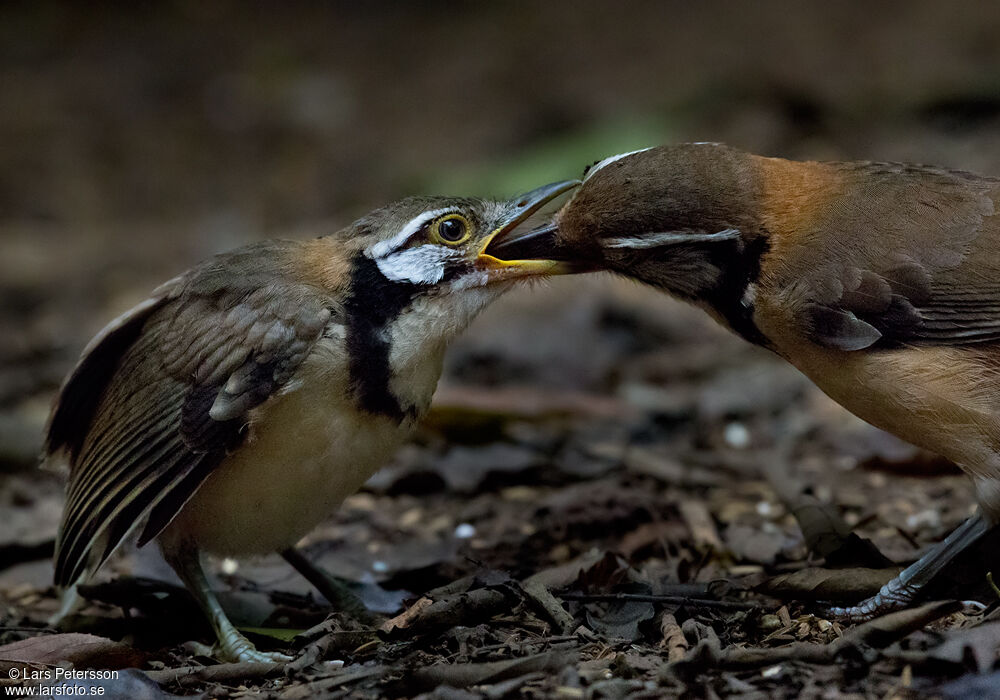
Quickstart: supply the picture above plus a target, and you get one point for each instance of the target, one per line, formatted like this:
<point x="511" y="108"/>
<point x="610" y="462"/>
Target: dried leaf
<point x="81" y="650"/>
<point x="621" y="619"/>
<point x="978" y="645"/>
<point x="883" y="631"/>
<point x="603" y="575"/>
<point x="465" y="675"/>
<point x="564" y="575"/>
<point x="406" y="618"/>
<point x="828" y="584"/>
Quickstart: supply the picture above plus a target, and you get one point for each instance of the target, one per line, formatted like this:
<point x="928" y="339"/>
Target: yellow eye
<point x="452" y="229"/>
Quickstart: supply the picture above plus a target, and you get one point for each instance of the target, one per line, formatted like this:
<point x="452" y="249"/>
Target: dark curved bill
<point x="524" y="206"/>
<point x="541" y="243"/>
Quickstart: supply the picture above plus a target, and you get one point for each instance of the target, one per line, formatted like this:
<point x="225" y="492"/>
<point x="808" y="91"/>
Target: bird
<point x="879" y="281"/>
<point x="238" y="405"/>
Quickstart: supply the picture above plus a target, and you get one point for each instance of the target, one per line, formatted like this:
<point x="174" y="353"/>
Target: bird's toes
<point x="253" y="655"/>
<point x="239" y="649"/>
<point x="855" y="614"/>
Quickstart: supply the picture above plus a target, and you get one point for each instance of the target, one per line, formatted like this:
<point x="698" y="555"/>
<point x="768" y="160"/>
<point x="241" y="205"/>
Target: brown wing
<point x="910" y="257"/>
<point x="157" y="401"/>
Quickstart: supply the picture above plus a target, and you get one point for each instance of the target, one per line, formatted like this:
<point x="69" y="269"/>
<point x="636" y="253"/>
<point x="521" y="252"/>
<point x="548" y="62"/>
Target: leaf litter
<point x="577" y="553"/>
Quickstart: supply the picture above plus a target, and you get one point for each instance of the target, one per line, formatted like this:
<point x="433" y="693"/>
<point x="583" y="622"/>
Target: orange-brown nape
<point x="879" y="281"/>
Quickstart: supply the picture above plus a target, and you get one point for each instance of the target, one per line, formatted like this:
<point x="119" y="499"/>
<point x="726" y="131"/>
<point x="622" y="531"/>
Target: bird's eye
<point x="451" y="230"/>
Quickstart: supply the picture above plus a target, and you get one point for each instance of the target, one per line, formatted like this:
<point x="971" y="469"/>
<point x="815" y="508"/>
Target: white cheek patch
<point x="421" y="265"/>
<point x="608" y="161"/>
<point x="383" y="248"/>
<point x="656" y="240"/>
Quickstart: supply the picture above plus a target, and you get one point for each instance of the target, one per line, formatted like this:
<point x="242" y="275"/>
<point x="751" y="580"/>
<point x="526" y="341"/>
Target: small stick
<point x="186" y="676"/>
<point x="670" y="599"/>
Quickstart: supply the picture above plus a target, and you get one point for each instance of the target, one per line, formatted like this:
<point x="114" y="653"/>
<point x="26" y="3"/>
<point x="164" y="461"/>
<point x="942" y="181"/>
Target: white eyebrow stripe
<point x="609" y="160"/>
<point x="655" y="240"/>
<point x="383" y="248"/>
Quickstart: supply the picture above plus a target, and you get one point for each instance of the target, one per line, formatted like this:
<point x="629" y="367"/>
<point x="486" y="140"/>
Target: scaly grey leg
<point x="903" y="590"/>
<point x="186" y="561"/>
<point x="334" y="590"/>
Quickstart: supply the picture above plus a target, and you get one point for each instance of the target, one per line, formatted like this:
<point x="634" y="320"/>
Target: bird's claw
<point x="893" y="596"/>
<point x="239" y="649"/>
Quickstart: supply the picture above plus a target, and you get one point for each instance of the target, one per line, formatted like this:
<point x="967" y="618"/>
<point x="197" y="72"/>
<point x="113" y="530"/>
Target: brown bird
<point x="245" y="399"/>
<point x="879" y="281"/>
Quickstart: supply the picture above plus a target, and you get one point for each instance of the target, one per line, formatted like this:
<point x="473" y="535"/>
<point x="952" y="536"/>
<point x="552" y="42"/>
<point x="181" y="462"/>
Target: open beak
<point x="527" y="204"/>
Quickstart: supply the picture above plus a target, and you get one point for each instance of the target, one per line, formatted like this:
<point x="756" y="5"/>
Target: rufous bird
<point x="878" y="281"/>
<point x="245" y="399"/>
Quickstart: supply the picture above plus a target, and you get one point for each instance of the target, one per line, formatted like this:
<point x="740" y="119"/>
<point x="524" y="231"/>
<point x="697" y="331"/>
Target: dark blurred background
<point x="135" y="141"/>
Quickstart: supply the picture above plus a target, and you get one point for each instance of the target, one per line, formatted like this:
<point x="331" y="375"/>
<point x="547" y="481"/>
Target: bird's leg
<point x="70" y="602"/>
<point x="333" y="589"/>
<point x="906" y="587"/>
<point x="186" y="561"/>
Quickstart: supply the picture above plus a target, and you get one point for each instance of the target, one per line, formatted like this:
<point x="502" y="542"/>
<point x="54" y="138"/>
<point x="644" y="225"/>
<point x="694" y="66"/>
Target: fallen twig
<point x="465" y="675"/>
<point x="539" y="594"/>
<point x="462" y="609"/>
<point x="673" y="641"/>
<point x="317" y="688"/>
<point x="877" y="633"/>
<point x="653" y="598"/>
<point x="323" y="647"/>
<point x="815" y="583"/>
<point x="187" y="676"/>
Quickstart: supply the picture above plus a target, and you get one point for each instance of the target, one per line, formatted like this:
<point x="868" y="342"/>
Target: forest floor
<point x="571" y="543"/>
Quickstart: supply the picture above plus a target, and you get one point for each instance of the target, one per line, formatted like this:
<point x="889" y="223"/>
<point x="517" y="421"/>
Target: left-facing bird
<point x="245" y="399"/>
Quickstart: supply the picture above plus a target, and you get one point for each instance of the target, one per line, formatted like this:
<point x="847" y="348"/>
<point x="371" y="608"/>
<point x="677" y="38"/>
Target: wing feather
<point x="929" y="279"/>
<point x="162" y="395"/>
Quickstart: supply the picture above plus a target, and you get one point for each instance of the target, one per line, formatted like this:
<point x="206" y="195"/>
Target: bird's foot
<point x="893" y="596"/>
<point x="236" y="647"/>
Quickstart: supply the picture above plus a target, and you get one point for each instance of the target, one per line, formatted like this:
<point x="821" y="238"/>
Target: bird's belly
<point x="937" y="398"/>
<point x="306" y="452"/>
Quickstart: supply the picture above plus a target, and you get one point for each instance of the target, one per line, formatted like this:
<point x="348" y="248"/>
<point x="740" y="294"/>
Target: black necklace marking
<point x="373" y="304"/>
<point x="740" y="269"/>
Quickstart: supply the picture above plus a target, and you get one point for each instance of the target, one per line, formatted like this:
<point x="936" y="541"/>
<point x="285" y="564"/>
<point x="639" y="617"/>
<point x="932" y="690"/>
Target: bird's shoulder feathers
<point x="885" y="254"/>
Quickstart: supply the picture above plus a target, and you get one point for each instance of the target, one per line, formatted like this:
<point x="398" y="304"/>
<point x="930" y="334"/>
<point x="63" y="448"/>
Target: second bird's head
<point x="684" y="218"/>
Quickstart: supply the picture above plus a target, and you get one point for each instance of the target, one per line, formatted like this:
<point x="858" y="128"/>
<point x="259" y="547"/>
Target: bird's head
<point x="441" y="245"/>
<point x="676" y="217"/>
<point x="428" y="262"/>
<point x="686" y="219"/>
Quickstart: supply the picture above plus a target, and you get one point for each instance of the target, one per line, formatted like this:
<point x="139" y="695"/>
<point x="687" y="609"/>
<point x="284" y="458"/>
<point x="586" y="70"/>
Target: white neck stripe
<point x="610" y="160"/>
<point x="655" y="240"/>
